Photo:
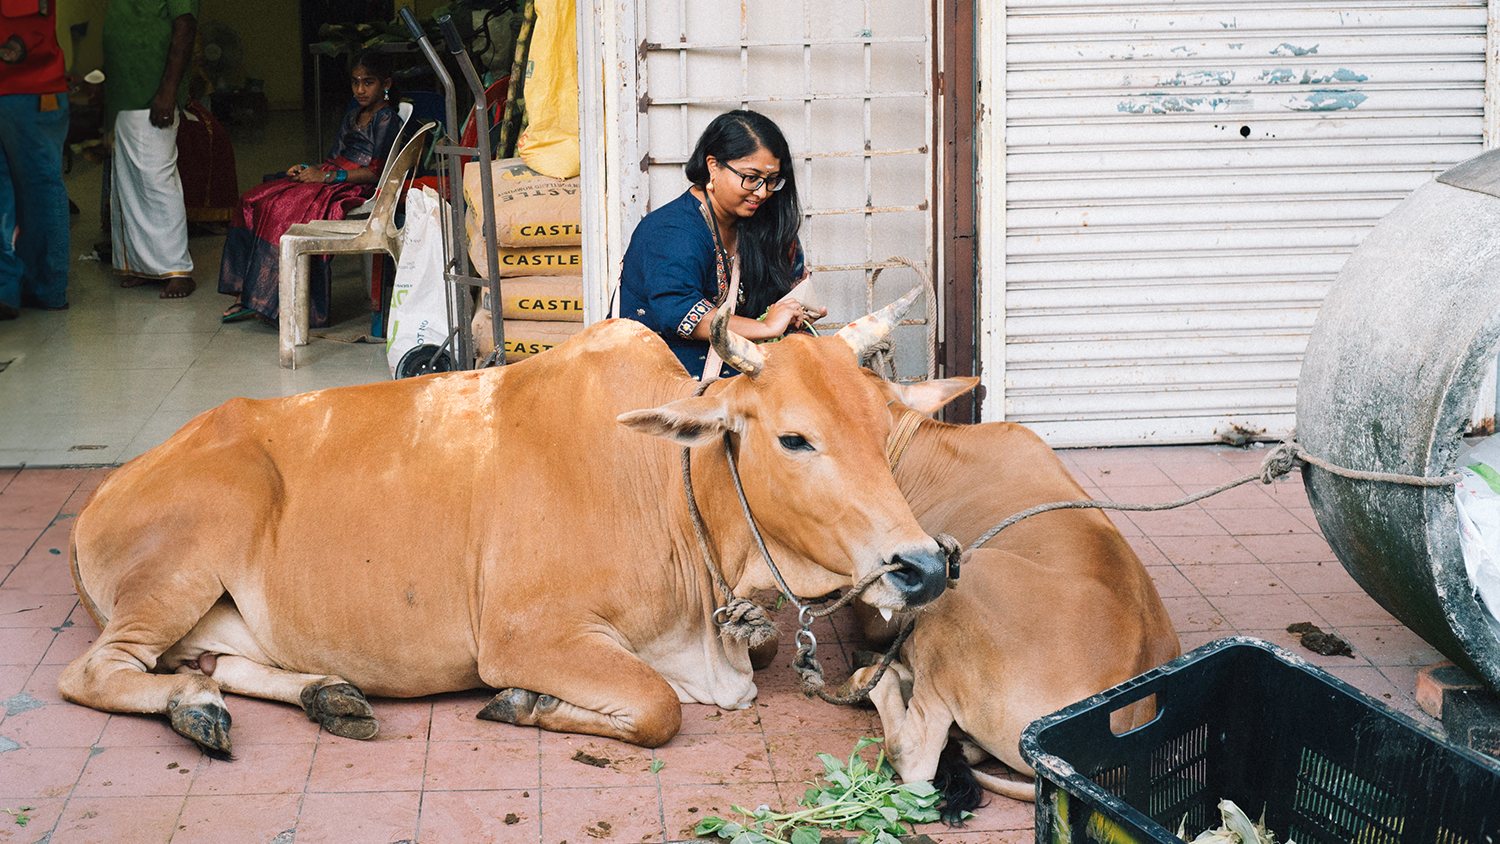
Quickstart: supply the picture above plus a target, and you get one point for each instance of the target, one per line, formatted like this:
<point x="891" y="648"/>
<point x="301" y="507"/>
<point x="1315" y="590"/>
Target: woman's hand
<point x="789" y="313"/>
<point x="306" y="174"/>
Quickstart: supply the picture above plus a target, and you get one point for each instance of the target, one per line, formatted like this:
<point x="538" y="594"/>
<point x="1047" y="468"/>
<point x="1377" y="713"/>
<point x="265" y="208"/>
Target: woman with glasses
<point x="742" y="206"/>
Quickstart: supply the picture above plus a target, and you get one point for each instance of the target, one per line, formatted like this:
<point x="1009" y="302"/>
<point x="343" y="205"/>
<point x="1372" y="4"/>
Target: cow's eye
<point x="794" y="442"/>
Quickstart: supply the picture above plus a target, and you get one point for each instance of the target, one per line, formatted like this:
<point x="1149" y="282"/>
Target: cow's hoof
<point x="510" y="706"/>
<point x="341" y="709"/>
<point x="207" y="724"/>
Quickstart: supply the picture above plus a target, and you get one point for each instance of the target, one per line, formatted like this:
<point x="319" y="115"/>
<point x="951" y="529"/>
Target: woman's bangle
<point x="341" y="176"/>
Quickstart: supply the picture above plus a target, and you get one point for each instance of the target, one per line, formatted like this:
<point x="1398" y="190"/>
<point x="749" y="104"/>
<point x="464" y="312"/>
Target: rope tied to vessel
<point x="1282" y="460"/>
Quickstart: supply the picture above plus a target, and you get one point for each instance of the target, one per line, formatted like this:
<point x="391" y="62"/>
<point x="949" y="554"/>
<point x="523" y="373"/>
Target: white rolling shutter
<point x="1182" y="182"/>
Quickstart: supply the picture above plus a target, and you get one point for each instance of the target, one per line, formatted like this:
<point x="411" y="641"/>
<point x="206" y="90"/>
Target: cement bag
<point x="545" y="261"/>
<point x="523" y="338"/>
<point x="550" y="143"/>
<point x="419" y="305"/>
<point x="530" y="209"/>
<point x="540" y="298"/>
<point x="1477" y="499"/>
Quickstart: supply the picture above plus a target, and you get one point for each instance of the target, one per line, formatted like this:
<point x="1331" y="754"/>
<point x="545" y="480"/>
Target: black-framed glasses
<point x="752" y="182"/>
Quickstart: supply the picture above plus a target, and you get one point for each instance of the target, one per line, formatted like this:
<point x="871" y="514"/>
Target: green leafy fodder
<point x="856" y="796"/>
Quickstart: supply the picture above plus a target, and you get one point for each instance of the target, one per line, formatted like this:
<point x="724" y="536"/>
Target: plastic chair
<point x="403" y="113"/>
<point x="376" y="234"/>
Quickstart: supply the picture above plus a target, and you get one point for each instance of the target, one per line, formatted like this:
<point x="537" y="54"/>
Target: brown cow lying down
<point x="1052" y="610"/>
<point x="497" y="528"/>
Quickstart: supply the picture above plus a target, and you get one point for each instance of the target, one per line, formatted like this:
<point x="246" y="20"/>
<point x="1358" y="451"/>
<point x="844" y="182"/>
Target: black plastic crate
<point x="1242" y="719"/>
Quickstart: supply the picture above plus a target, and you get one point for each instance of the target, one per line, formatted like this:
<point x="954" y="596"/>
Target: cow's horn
<point x="872" y="328"/>
<point x="734" y="349"/>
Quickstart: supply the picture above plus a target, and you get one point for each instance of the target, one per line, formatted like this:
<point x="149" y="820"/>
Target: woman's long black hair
<point x="768" y="239"/>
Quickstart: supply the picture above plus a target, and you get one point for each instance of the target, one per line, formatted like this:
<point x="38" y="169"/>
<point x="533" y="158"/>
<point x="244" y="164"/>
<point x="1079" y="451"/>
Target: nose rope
<point x="743" y="619"/>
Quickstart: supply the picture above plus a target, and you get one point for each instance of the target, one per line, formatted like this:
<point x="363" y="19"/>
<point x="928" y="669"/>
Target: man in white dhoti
<point x="147" y="47"/>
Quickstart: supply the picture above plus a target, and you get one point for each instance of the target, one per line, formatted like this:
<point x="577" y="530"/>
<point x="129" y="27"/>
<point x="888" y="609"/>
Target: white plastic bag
<point x="1477" y="499"/>
<point x="419" y="304"/>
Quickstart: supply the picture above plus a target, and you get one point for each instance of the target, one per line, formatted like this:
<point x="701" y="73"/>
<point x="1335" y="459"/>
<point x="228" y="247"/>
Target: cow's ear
<point x="689" y="422"/>
<point x="928" y="396"/>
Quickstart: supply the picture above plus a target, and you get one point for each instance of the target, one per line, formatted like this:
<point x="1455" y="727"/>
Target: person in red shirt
<point x="33" y="126"/>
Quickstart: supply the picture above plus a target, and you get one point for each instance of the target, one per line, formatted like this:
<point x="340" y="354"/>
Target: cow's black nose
<point x="921" y="578"/>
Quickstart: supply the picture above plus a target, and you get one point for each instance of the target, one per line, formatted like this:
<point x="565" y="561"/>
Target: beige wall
<point x="268" y="30"/>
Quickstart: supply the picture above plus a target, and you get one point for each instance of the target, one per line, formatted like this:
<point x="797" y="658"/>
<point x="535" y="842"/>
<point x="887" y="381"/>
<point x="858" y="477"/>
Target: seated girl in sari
<point x="252" y="249"/>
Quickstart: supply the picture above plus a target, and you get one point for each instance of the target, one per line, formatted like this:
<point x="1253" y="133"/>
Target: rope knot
<point x="810" y="672"/>
<point x="746" y="621"/>
<point x="1281" y="460"/>
<point x="881" y="358"/>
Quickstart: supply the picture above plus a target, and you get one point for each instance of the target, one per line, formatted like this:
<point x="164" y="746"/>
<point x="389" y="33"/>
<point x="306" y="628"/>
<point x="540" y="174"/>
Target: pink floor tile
<point x="601" y="814"/>
<point x="14" y="543"/>
<point x="1191" y="639"/>
<point x="575" y="761"/>
<point x="266" y="769"/>
<point x="794" y="756"/>
<point x="1319" y="578"/>
<point x="70" y="643"/>
<point x="1154" y="494"/>
<point x="685" y="806"/>
<point x="19" y="608"/>
<point x="1289" y="548"/>
<point x="33" y="498"/>
<point x="1170" y="582"/>
<point x="713" y="759"/>
<point x="1251" y="496"/>
<point x="482" y="765"/>
<point x="702" y="719"/>
<point x="454" y="718"/>
<point x="1245" y="579"/>
<point x="1204" y="550"/>
<point x="1195" y="475"/>
<point x="464" y="817"/>
<point x="1391" y="645"/>
<point x="1265" y="612"/>
<point x="257" y="721"/>
<point x="118" y="820"/>
<point x="1265" y="520"/>
<point x="139" y="772"/>
<point x="41" y="773"/>
<point x="1128" y="474"/>
<point x="372" y="818"/>
<point x="1195" y="613"/>
<point x="25" y="644"/>
<point x="54" y="725"/>
<point x="1185" y="521"/>
<point x="783" y="708"/>
<point x="1145" y="549"/>
<point x="997" y="814"/>
<point x="1351" y="609"/>
<point x="961" y="836"/>
<point x="41" y="816"/>
<point x="13" y="679"/>
<point x="237" y="818"/>
<point x="344" y="765"/>
<point x="130" y="730"/>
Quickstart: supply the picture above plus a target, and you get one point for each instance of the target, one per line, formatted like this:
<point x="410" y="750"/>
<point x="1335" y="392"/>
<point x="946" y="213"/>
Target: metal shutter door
<point x="1184" y="181"/>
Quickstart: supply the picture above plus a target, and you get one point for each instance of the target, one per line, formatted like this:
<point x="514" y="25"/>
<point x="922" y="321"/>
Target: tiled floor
<point x="1247" y="562"/>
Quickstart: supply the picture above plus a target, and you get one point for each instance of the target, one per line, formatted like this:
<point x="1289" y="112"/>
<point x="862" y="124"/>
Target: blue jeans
<point x="33" y="199"/>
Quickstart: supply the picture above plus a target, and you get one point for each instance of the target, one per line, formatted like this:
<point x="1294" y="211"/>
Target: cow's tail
<point x="955" y="780"/>
<point x="1007" y="788"/>
<point x="83" y="595"/>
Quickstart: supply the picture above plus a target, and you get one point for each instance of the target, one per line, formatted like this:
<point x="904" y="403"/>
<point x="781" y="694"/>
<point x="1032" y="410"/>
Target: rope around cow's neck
<point x="743" y="619"/>
<point x="1280" y="461"/>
